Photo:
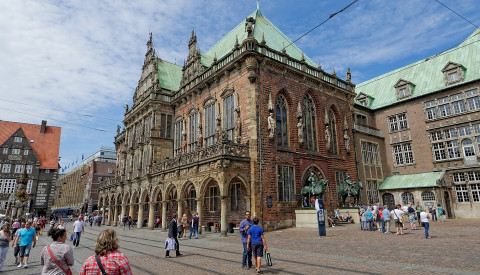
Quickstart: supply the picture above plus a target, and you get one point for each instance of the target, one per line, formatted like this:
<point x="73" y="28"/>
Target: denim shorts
<point x="257" y="249"/>
<point x="25" y="250"/>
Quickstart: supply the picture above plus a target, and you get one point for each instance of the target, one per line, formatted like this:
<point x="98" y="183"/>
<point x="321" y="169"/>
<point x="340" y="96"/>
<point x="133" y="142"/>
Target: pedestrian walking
<point x="173" y="234"/>
<point x="124" y="222"/>
<point x="15" y="226"/>
<point x="90" y="220"/>
<point x="434" y="213"/>
<point x="16" y="246"/>
<point x="129" y="222"/>
<point x="57" y="257"/>
<point x="107" y="259"/>
<point x="441" y="213"/>
<point x="77" y="231"/>
<point x="61" y="225"/>
<point x="363" y="219"/>
<point x="397" y="215"/>
<point x="5" y="238"/>
<point x="418" y="209"/>
<point x="424" y="217"/>
<point x="245" y="225"/>
<point x="411" y="216"/>
<point x="256" y="242"/>
<point x="386" y="219"/>
<point x="194" y="226"/>
<point x="27" y="237"/>
<point x="184" y="225"/>
<point x="52" y="223"/>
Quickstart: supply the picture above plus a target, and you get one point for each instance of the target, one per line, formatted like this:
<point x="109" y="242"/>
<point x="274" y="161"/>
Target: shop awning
<point x="423" y="180"/>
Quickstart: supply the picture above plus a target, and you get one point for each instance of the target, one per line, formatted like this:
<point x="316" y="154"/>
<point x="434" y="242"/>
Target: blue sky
<point x="85" y="56"/>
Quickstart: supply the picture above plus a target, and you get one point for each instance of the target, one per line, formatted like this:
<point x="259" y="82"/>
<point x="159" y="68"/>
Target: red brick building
<point x="238" y="127"/>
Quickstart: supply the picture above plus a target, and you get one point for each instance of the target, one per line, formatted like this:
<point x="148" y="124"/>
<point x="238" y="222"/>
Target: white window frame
<point x="9" y="186"/>
<point x="475" y="188"/>
<point x="428" y="196"/>
<point x="229" y="115"/>
<point x="17" y="139"/>
<point x="468" y="148"/>
<point x="439" y="151"/>
<point x="5" y="150"/>
<point x="462" y="193"/>
<point x="15" y="151"/>
<point x="6" y="168"/>
<point x="29" y="186"/>
<point x="18" y="168"/>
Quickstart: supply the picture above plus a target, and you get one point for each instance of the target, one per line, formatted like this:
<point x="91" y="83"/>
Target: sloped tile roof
<point x="46" y="146"/>
<point x="425" y="74"/>
<point x="274" y="39"/>
<point x="169" y="75"/>
<point x="422" y="180"/>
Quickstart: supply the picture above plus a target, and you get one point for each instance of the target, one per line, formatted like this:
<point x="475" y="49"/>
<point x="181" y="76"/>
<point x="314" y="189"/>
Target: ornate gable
<point x="403" y="88"/>
<point x="192" y="66"/>
<point x="149" y="79"/>
<point x="453" y="73"/>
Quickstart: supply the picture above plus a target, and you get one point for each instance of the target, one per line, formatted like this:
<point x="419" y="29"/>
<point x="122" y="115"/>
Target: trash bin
<point x="230" y="227"/>
<point x="209" y="226"/>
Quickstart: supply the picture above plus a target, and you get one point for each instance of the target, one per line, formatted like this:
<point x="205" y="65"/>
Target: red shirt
<point x="113" y="262"/>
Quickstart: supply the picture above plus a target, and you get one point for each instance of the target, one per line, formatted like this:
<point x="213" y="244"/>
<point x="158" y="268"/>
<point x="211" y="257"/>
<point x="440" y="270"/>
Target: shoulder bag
<point x="268" y="259"/>
<point x="99" y="263"/>
<point x="67" y="271"/>
<point x="400" y="219"/>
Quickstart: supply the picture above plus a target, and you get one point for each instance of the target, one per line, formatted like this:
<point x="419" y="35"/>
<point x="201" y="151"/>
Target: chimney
<point x="43" y="128"/>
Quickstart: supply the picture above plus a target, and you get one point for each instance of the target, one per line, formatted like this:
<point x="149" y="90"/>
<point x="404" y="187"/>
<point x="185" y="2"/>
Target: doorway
<point x="389" y="200"/>
<point x="447" y="205"/>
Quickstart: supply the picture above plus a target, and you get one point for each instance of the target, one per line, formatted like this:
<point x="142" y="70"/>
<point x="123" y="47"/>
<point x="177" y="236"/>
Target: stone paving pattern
<point x="453" y="249"/>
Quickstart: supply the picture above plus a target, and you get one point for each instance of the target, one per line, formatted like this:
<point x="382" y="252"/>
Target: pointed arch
<point x="281" y="114"/>
<point x="332" y="119"/>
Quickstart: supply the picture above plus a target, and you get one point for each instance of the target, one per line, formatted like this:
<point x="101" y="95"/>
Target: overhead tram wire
<point x="457" y="13"/>
<point x="69" y="112"/>
<point x="323" y="22"/>
<point x="96" y="129"/>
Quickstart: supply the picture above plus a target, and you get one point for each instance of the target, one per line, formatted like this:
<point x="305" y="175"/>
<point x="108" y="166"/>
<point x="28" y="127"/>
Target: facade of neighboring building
<point x="77" y="190"/>
<point x="238" y="127"/>
<point x="426" y="119"/>
<point x="34" y="148"/>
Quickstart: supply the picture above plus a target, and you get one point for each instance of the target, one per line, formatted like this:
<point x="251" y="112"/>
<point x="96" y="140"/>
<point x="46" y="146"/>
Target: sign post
<point x="320" y="217"/>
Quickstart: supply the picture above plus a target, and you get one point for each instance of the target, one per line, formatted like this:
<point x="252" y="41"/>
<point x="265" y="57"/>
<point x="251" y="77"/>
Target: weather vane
<point x="258" y="4"/>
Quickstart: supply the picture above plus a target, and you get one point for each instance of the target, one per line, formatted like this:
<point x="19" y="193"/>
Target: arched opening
<point x="172" y="204"/>
<point x="190" y="195"/>
<point x="333" y="132"/>
<point x="211" y="205"/>
<point x="407" y="197"/>
<point x="282" y="125"/>
<point x="237" y="203"/>
<point x="309" y="122"/>
<point x="312" y="174"/>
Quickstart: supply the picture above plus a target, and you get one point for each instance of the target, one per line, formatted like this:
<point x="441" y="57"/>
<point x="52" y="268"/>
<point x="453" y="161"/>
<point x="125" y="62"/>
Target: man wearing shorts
<point x="256" y="242"/>
<point x="397" y="216"/>
<point x="27" y="236"/>
<point x="78" y="230"/>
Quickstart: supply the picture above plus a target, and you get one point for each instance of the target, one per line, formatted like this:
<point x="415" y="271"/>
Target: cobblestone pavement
<point x="453" y="249"/>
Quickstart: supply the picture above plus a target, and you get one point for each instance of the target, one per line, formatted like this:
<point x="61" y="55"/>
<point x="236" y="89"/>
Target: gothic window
<point x="213" y="198"/>
<point x="148" y="126"/>
<point x="282" y="126"/>
<point x="333" y="132"/>
<point x="235" y="196"/>
<point x="138" y="133"/>
<point x="309" y="123"/>
<point x="407" y="197"/>
<point x="192" y="131"/>
<point x="286" y="190"/>
<point x="229" y="116"/>
<point x="15" y="151"/>
<point x="210" y="125"/>
<point x="178" y="137"/>
<point x="192" y="203"/>
<point x="145" y="161"/>
<point x="370" y="153"/>
<point x="25" y="152"/>
<point x="372" y="191"/>
<point x="340" y="177"/>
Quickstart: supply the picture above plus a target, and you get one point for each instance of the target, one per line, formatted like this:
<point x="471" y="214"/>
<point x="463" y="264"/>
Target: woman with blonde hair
<point x="107" y="258"/>
<point x="185" y="225"/>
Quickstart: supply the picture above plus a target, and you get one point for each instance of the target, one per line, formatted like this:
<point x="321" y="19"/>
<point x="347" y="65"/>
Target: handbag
<point x="99" y="263"/>
<point x="67" y="271"/>
<point x="71" y="237"/>
<point x="268" y="259"/>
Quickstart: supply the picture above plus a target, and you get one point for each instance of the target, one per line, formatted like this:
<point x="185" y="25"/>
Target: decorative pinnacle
<point x="258" y="4"/>
<point x="284" y="50"/>
<point x="303" y="57"/>
<point x="263" y="42"/>
<point x="215" y="57"/>
<point x="319" y="65"/>
<point x="333" y="70"/>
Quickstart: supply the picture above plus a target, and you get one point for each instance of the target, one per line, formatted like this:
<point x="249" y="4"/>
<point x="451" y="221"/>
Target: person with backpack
<point x="129" y="222"/>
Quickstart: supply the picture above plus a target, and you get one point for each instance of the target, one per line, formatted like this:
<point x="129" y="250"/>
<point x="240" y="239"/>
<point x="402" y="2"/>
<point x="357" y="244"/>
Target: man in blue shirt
<point x="256" y="242"/>
<point x="245" y="225"/>
<point x="386" y="219"/>
<point x="26" y="236"/>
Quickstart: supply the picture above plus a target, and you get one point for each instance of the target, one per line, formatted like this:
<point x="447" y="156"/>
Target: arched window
<point x="428" y="196"/>
<point x="389" y="200"/>
<point x="333" y="132"/>
<point x="468" y="148"/>
<point x="282" y="128"/>
<point x="309" y="123"/>
<point x="407" y="197"/>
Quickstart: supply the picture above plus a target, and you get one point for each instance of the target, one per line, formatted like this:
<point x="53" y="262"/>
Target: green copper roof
<point x="426" y="74"/>
<point x="422" y="180"/>
<point x="169" y="75"/>
<point x="274" y="39"/>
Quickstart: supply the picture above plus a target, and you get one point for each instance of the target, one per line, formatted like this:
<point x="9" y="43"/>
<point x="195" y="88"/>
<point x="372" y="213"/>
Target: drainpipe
<point x="260" y="142"/>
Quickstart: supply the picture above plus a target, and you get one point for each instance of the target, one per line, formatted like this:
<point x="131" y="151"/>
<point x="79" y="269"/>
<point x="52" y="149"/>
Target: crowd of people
<point x="379" y="218"/>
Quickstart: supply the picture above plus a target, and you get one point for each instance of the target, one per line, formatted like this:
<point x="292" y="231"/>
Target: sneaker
<point x="20" y="265"/>
<point x="167" y="256"/>
<point x="244" y="267"/>
<point x="428" y="237"/>
<point x="25" y="265"/>
<point x="401" y="233"/>
<point x="398" y="233"/>
<point x="259" y="272"/>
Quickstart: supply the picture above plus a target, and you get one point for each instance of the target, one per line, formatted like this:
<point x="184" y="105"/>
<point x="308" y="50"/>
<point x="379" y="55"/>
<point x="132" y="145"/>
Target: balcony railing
<point x="368" y="130"/>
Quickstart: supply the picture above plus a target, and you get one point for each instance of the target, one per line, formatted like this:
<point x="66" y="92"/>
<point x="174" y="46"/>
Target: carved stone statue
<point x="328" y="138"/>
<point x="271" y="125"/>
<point x="347" y="139"/>
<point x="349" y="76"/>
<point x="200" y="136"/>
<point x="118" y="129"/>
<point x="249" y="26"/>
<point x="126" y="108"/>
<point x="300" y="131"/>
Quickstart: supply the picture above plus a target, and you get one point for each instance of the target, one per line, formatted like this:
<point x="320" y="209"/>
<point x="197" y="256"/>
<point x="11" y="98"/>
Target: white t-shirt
<point x="78" y="226"/>
<point x="423" y="216"/>
<point x="397" y="213"/>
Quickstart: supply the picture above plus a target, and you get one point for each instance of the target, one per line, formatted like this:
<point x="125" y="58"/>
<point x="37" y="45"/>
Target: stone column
<point x="151" y="215"/>
<point x="164" y="216"/>
<point x="115" y="217"/>
<point x="223" y="216"/>
<point x="109" y="218"/>
<point x="132" y="210"/>
<point x="103" y="214"/>
<point x="200" y="215"/>
<point x="180" y="209"/>
<point x="122" y="213"/>
<point x="140" y="215"/>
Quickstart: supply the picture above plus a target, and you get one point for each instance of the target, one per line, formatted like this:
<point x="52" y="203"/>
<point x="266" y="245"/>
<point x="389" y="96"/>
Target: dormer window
<point x="453" y="73"/>
<point x="403" y="89"/>
<point x="363" y="99"/>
